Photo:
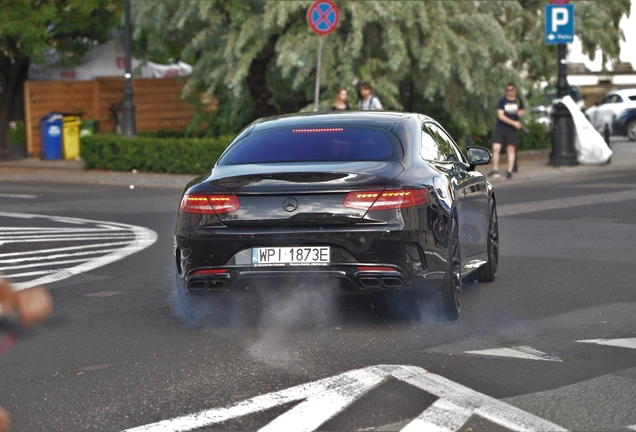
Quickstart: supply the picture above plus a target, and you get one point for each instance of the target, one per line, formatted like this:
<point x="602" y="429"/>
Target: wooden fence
<point x="157" y="101"/>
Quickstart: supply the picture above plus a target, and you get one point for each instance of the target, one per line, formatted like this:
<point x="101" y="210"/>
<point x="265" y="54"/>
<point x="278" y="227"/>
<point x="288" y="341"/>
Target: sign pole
<point x="559" y="30"/>
<point x="318" y="65"/>
<point x="563" y="149"/>
<point x="323" y="17"/>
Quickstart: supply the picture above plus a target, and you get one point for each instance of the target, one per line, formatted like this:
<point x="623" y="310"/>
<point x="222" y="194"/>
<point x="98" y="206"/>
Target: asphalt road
<point x="551" y="343"/>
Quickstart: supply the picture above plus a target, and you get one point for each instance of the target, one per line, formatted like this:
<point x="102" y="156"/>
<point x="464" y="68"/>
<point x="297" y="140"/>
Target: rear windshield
<point x="319" y="144"/>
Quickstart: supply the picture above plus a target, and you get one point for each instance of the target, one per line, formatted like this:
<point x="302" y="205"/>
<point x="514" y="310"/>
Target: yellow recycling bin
<point x="71" y="137"/>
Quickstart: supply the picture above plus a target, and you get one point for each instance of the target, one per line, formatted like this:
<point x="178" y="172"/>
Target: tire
<point x="631" y="129"/>
<point x="488" y="271"/>
<point x="449" y="298"/>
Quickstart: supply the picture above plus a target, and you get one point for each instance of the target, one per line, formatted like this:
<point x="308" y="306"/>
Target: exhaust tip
<point x="370" y="282"/>
<point x="392" y="282"/>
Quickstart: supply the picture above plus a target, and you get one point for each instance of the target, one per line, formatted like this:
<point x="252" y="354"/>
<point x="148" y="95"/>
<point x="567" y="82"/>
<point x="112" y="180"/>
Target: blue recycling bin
<point x="51" y="134"/>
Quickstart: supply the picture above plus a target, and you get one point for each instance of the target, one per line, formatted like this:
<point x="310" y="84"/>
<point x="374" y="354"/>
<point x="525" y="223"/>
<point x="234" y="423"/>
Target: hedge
<point x="195" y="155"/>
<point x="539" y="137"/>
<point x="158" y="155"/>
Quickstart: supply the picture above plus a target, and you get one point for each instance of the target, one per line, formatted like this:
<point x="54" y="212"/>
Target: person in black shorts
<point x="509" y="110"/>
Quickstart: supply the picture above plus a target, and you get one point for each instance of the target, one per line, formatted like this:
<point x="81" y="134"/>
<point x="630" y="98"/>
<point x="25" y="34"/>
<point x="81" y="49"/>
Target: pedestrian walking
<point x="341" y="103"/>
<point x="368" y="101"/>
<point x="509" y="109"/>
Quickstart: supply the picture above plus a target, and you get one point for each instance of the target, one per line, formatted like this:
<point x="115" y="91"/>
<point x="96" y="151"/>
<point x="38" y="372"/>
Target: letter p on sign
<point x="560" y="17"/>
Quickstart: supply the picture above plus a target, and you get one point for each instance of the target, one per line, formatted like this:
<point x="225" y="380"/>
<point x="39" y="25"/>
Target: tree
<point x="31" y="30"/>
<point x="449" y="59"/>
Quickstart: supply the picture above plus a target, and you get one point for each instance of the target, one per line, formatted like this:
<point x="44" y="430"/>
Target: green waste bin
<point x="89" y="127"/>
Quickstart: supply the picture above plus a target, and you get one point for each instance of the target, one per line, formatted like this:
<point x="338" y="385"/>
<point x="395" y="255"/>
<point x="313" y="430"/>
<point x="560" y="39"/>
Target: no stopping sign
<point x="323" y="16"/>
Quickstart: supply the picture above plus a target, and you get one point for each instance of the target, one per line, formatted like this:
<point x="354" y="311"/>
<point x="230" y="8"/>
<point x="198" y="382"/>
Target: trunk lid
<point x="298" y="194"/>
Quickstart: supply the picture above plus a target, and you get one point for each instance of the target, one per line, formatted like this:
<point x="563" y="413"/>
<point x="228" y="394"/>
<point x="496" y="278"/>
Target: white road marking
<point x="36" y="230"/>
<point x="52" y="263"/>
<point x="89" y="246"/>
<point x="521" y="352"/>
<point x="64" y="237"/>
<point x="35" y="273"/>
<point x="50" y="257"/>
<point x="632" y="427"/>
<point x="327" y="397"/>
<point x="622" y="343"/>
<point x="18" y="196"/>
<point x="114" y="241"/>
<point x="562" y="203"/>
<point x="443" y="415"/>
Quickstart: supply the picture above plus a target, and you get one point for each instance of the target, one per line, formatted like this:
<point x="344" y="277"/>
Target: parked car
<point x="612" y="104"/>
<point x="624" y="124"/>
<point x="374" y="201"/>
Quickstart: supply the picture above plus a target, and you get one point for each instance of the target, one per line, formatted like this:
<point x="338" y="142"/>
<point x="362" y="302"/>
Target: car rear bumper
<point x="362" y="260"/>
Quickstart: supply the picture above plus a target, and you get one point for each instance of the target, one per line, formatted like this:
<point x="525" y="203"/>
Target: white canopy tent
<point x="108" y="60"/>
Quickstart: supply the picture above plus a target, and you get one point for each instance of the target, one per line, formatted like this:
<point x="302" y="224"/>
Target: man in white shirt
<point x="368" y="101"/>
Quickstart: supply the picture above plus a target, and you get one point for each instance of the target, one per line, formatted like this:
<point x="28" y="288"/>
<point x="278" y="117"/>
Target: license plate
<point x="291" y="256"/>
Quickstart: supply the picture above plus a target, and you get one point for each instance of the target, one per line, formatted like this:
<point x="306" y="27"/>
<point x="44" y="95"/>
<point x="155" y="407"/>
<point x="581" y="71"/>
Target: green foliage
<point x="448" y="59"/>
<point x="17" y="136"/>
<point x="158" y="155"/>
<point x="46" y="32"/>
<point x="30" y="28"/>
<point x="162" y="134"/>
<point x="540" y="137"/>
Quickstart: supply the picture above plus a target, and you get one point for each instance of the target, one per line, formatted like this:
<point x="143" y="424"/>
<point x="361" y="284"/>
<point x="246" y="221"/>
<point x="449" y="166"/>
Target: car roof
<point x="380" y="119"/>
<point x="623" y="92"/>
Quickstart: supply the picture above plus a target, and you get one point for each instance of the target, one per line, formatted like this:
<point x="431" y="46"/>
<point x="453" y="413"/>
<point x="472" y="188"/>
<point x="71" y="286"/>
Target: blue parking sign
<point x="559" y="23"/>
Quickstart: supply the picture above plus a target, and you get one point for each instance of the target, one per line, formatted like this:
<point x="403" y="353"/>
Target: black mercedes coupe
<point x="374" y="201"/>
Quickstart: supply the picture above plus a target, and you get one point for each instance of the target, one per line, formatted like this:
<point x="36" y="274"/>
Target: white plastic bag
<point x="590" y="145"/>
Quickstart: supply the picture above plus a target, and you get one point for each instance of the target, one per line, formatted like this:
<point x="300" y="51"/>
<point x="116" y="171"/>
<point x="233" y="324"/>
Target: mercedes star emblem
<point x="290" y="204"/>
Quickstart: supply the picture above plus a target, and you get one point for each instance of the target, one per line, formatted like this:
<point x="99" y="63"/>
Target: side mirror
<point x="478" y="156"/>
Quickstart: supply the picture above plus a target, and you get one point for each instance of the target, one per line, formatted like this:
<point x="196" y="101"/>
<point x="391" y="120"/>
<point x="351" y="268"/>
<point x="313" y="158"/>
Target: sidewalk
<point x="533" y="166"/>
<point x="63" y="171"/>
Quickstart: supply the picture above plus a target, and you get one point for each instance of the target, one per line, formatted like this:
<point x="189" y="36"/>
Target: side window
<point x="428" y="146"/>
<point x="448" y="150"/>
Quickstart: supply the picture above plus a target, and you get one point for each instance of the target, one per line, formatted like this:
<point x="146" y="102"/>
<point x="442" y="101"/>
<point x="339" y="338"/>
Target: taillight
<point x="209" y="272"/>
<point x="209" y="204"/>
<point x="377" y="269"/>
<point x="384" y="200"/>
